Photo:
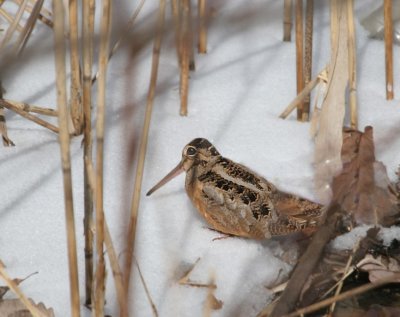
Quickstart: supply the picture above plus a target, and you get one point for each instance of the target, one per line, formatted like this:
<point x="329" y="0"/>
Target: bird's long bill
<point x="175" y="172"/>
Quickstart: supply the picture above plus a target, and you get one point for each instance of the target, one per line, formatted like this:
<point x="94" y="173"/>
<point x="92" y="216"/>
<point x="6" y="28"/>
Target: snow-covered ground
<point x="237" y="92"/>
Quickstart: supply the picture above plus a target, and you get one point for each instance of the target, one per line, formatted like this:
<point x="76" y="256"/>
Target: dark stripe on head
<point x="201" y="143"/>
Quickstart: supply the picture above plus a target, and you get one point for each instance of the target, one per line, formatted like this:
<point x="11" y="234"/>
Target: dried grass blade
<point x="9" y="19"/>
<point x="184" y="42"/>
<point x="28" y="116"/>
<point x="328" y="141"/>
<point x="59" y="47"/>
<point x="143" y="146"/>
<point x="105" y="29"/>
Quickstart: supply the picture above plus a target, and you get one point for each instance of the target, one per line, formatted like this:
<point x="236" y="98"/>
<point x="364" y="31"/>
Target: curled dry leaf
<point x="380" y="267"/>
<point x="363" y="188"/>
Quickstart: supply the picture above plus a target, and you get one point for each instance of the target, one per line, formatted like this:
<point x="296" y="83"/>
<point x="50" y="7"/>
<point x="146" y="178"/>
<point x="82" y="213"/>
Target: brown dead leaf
<point x="15" y="308"/>
<point x="380" y="267"/>
<point x="363" y="188"/>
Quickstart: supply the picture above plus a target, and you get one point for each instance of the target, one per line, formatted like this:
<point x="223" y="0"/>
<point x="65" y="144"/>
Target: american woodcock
<point x="235" y="200"/>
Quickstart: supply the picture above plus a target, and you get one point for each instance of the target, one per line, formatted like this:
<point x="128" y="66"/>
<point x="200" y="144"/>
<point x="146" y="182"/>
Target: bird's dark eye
<point x="191" y="151"/>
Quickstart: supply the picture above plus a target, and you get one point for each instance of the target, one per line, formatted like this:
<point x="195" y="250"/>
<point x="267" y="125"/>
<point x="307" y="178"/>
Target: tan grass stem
<point x="388" y="27"/>
<point x="59" y="47"/>
<point x="105" y="29"/>
<point x="28" y="116"/>
<point x="87" y="58"/>
<point x="202" y="26"/>
<point x="143" y="146"/>
<point x="352" y="66"/>
<point x="299" y="55"/>
<point x="287" y="20"/>
<point x="75" y="91"/>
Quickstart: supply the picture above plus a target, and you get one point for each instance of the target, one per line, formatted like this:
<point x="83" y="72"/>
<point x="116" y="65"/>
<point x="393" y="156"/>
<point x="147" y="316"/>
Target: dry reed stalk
<point x="112" y="255"/>
<point x="11" y="29"/>
<point x="308" y="49"/>
<point x="287" y="20"/>
<point x="124" y="34"/>
<point x="31" y="108"/>
<point x="143" y="146"/>
<point x="75" y="91"/>
<point x="15" y="288"/>
<point x="388" y="27"/>
<point x="299" y="55"/>
<point x="153" y="306"/>
<point x="175" y="4"/>
<point x="202" y="27"/>
<point x="28" y="116"/>
<point x="348" y="294"/>
<point x="87" y="57"/>
<point x="41" y="17"/>
<point x="28" y="28"/>
<point x="352" y="66"/>
<point x="9" y="19"/>
<point x="184" y="42"/>
<point x="105" y="29"/>
<point x="302" y="95"/>
<point x="59" y="48"/>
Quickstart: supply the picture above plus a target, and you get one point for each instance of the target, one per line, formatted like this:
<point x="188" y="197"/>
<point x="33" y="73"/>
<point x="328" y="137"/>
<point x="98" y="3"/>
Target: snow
<point x="236" y="94"/>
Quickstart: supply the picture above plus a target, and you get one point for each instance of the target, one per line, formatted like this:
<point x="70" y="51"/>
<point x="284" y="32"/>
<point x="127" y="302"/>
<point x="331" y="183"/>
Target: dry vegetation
<point x="368" y="202"/>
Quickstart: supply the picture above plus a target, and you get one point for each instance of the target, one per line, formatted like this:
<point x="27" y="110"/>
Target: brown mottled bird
<point x="235" y="200"/>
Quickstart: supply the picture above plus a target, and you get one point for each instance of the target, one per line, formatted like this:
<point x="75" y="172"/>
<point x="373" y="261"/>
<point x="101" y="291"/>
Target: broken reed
<point x="59" y="48"/>
<point x="388" y="29"/>
<point x="299" y="55"/>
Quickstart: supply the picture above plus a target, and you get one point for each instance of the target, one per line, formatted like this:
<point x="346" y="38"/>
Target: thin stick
<point x="308" y="48"/>
<point x="299" y="55"/>
<point x="351" y="293"/>
<point x="143" y="146"/>
<point x="28" y="28"/>
<point x="387" y="14"/>
<point x="287" y="20"/>
<point x="28" y="116"/>
<point x="202" y="27"/>
<point x="31" y="108"/>
<point x="101" y="100"/>
<point x="87" y="48"/>
<point x="124" y="34"/>
<point x="15" y="288"/>
<point x="185" y="56"/>
<point x="75" y="91"/>
<point x="153" y="306"/>
<point x="352" y="66"/>
<point x="302" y="95"/>
<point x="9" y="19"/>
<point x="14" y="24"/>
<point x="59" y="47"/>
